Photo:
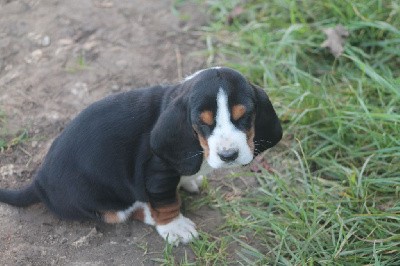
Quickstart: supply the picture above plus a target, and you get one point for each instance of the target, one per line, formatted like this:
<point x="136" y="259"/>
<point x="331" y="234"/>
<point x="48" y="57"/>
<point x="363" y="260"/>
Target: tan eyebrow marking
<point x="207" y="117"/>
<point x="238" y="111"/>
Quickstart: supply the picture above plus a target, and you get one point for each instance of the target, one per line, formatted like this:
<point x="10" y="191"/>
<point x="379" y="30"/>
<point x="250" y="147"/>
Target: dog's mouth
<point x="229" y="165"/>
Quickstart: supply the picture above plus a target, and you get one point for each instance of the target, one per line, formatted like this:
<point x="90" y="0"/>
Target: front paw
<point x="179" y="230"/>
<point x="191" y="184"/>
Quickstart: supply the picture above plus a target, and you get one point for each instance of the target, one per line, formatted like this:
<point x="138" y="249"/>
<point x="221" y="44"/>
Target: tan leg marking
<point x="138" y="215"/>
<point x="165" y="214"/>
<point x="111" y="217"/>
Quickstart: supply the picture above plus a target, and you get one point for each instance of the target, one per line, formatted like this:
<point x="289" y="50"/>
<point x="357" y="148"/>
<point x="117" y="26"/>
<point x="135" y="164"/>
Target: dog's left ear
<point x="173" y="139"/>
<point x="268" y="130"/>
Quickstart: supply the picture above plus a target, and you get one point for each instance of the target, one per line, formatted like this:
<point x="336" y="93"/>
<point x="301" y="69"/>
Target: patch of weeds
<point x="143" y="246"/>
<point x="21" y="137"/>
<point x="7" y="141"/>
<point x="79" y="65"/>
<point x="334" y="196"/>
<point x="13" y="142"/>
<point x="175" y="10"/>
<point x="210" y="250"/>
<point x="3" y="141"/>
<point x="169" y="258"/>
<point x="177" y="4"/>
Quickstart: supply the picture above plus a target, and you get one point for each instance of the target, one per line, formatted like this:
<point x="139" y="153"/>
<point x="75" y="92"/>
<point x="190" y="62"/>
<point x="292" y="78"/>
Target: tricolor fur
<point x="123" y="157"/>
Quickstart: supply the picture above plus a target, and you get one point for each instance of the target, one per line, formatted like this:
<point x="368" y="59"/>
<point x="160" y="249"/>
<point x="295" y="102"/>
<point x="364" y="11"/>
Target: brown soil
<point x="56" y="57"/>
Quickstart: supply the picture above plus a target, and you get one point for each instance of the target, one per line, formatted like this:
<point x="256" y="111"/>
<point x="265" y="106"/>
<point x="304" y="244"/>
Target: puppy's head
<point x="225" y="111"/>
<point x="218" y="116"/>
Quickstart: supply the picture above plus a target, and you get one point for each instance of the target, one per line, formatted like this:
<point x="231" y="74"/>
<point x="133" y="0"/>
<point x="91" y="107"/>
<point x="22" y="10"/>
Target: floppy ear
<point x="173" y="139"/>
<point x="268" y="130"/>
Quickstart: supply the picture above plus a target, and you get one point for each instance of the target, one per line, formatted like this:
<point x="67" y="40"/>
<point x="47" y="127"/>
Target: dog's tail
<point x="20" y="198"/>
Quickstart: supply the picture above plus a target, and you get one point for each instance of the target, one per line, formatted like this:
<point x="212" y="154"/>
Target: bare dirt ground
<point x="56" y="57"/>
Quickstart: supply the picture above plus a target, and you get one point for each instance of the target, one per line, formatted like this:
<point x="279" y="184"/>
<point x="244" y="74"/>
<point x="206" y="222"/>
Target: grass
<point x="8" y="141"/>
<point x="80" y="64"/>
<point x="333" y="198"/>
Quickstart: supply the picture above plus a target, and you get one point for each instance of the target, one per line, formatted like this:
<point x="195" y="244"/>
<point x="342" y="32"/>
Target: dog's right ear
<point x="174" y="140"/>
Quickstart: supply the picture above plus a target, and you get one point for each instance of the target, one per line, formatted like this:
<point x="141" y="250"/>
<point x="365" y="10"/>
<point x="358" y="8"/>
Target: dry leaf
<point x="236" y="12"/>
<point x="104" y="4"/>
<point x="84" y="240"/>
<point x="335" y="39"/>
<point x="231" y="196"/>
<point x="259" y="163"/>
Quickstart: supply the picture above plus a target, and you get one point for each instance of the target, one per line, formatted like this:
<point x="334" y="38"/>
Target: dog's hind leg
<point x="139" y="211"/>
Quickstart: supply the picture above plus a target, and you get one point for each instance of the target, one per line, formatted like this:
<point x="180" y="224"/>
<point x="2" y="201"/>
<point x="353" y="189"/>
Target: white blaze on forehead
<point x="223" y="115"/>
<point x="226" y="136"/>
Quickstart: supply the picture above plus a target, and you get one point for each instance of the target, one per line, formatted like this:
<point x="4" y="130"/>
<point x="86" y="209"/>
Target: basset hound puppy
<point x="125" y="155"/>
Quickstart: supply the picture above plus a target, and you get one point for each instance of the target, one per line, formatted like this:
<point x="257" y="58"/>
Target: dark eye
<point x="204" y="126"/>
<point x="244" y="118"/>
<point x="244" y="122"/>
<point x="204" y="129"/>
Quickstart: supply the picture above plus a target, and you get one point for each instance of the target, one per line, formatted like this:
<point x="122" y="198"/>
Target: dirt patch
<point x="56" y="57"/>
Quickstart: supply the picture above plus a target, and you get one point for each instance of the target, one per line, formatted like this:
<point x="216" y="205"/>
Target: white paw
<point x="179" y="230"/>
<point x="191" y="183"/>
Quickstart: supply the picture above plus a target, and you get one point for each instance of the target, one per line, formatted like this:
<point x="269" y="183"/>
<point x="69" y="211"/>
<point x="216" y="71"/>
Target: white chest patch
<point x="226" y="137"/>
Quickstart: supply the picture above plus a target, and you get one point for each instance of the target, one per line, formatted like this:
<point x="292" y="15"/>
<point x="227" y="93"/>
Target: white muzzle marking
<point x="227" y="144"/>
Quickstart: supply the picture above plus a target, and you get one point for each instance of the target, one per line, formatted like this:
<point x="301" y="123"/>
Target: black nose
<point x="228" y="155"/>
